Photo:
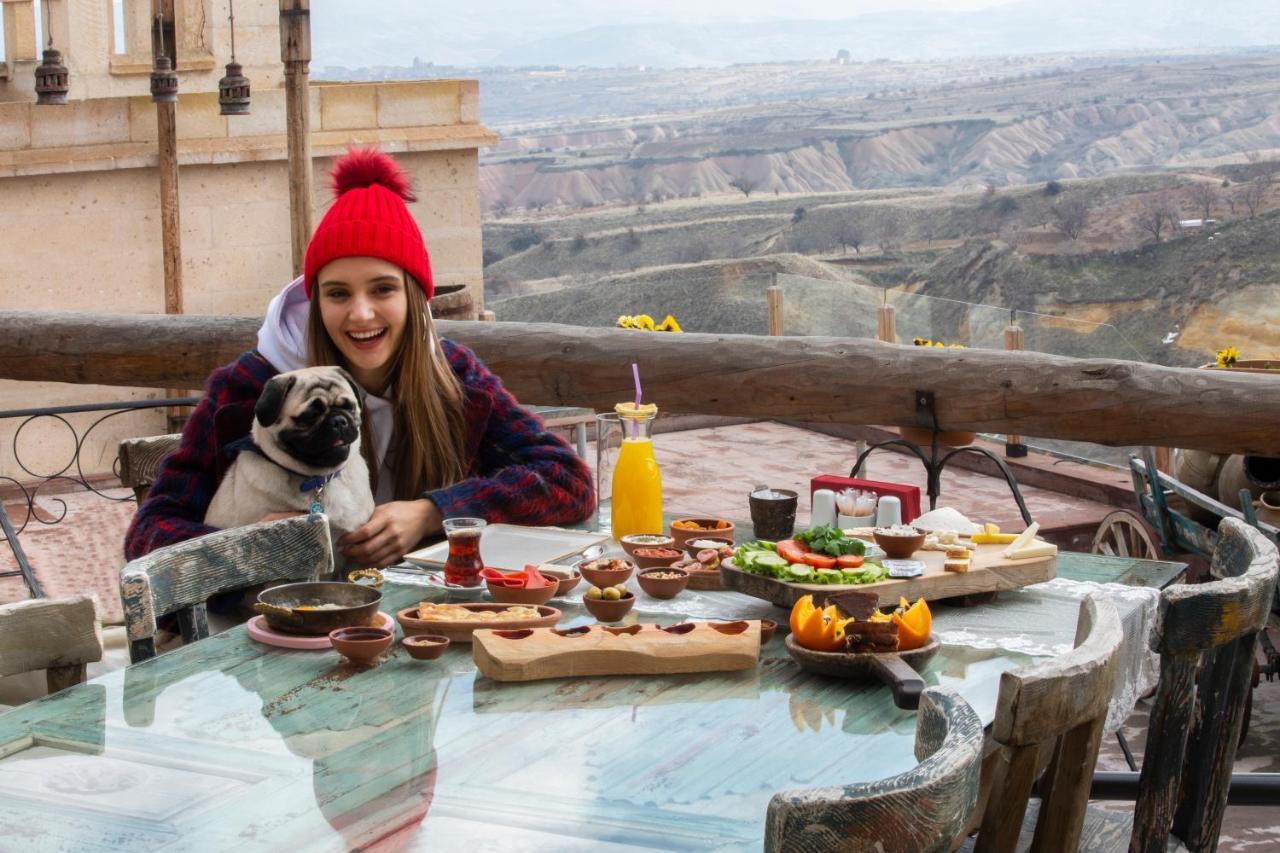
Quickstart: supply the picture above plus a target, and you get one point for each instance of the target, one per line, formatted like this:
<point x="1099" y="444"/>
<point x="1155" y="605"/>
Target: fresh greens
<point x="831" y="541"/>
<point x="761" y="558"/>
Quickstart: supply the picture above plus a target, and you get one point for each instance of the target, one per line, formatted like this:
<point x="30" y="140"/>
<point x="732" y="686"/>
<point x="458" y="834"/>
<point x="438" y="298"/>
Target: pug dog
<point x="303" y="449"/>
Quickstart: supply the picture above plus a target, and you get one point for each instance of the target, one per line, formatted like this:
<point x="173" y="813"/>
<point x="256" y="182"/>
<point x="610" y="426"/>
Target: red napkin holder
<point x="908" y="496"/>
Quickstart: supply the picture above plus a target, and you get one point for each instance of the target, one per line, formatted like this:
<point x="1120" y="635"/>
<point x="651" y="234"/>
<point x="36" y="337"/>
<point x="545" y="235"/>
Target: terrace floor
<point x="706" y="471"/>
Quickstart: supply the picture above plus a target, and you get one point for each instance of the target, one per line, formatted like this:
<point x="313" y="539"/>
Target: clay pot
<point x="693" y="552"/>
<point x="1257" y="474"/>
<point x="683" y="536"/>
<point x="603" y="578"/>
<point x="899" y="547"/>
<point x="663" y="587"/>
<point x="630" y="545"/>
<point x="609" y="611"/>
<point x="568" y="578"/>
<point x="767" y="629"/>
<point x="662" y="560"/>
<point x="360" y="645"/>
<point x="946" y="437"/>
<point x="425" y="646"/>
<point x="511" y="595"/>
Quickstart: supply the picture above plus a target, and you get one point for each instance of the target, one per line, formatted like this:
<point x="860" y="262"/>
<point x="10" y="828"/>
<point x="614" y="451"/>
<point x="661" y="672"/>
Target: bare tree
<point x="889" y="229"/>
<point x="744" y="185"/>
<point x="1254" y="194"/>
<point x="1156" y="212"/>
<point x="850" y="233"/>
<point x="1072" y="213"/>
<point x="1204" y="196"/>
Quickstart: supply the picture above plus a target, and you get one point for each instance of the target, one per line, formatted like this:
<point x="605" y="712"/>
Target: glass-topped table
<point x="231" y="745"/>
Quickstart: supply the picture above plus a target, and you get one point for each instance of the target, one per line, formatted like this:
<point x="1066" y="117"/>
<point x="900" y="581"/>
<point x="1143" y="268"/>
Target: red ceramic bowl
<point x="609" y="611"/>
<point x="511" y="595"/>
<point x="708" y="531"/>
<point x="629" y="543"/>
<point x="656" y="558"/>
<point x="603" y="577"/>
<point x="663" y="587"/>
<point x="425" y="646"/>
<point x="360" y="645"/>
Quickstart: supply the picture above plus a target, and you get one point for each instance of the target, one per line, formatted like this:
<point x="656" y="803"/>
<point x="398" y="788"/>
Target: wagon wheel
<point x="1126" y="534"/>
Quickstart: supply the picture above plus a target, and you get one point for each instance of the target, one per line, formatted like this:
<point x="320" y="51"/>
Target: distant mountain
<point x="1028" y="26"/>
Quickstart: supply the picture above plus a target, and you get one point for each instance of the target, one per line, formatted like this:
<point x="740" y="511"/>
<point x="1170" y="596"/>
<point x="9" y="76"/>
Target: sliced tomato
<point x="850" y="561"/>
<point x="818" y="561"/>
<point x="791" y="551"/>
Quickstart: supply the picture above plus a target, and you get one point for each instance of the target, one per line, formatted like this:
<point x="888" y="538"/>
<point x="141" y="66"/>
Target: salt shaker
<point x="888" y="512"/>
<point x="824" y="508"/>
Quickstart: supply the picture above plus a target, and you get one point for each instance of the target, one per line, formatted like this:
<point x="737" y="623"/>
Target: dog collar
<point x="309" y="483"/>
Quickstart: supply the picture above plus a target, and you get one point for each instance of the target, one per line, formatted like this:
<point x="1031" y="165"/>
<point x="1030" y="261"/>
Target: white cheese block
<point x="1024" y="539"/>
<point x="1035" y="549"/>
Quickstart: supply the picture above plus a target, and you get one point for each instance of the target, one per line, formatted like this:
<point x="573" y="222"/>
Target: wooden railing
<point x="814" y="379"/>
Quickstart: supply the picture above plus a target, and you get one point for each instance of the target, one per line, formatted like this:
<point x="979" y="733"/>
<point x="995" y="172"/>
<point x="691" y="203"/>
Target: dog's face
<point x="311" y="416"/>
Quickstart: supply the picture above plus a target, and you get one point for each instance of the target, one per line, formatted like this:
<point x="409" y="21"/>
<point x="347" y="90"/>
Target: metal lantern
<point x="164" y="81"/>
<point x="52" y="79"/>
<point x="233" y="92"/>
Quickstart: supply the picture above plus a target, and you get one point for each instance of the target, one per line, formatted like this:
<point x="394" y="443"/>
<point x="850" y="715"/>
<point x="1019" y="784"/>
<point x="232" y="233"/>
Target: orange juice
<point x="637" y="488"/>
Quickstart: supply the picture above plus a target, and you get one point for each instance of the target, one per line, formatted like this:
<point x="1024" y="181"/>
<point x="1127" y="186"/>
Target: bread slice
<point x="957" y="552"/>
<point x="871" y="637"/>
<point x="957" y="565"/>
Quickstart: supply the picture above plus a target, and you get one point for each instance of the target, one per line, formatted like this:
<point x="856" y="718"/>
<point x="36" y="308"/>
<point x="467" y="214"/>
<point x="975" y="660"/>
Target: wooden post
<point x="887" y="325"/>
<point x="774" y="295"/>
<point x="1014" y="340"/>
<point x="170" y="211"/>
<point x="295" y="52"/>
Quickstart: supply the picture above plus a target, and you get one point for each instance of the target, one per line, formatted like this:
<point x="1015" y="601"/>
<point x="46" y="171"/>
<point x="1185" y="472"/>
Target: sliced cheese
<point x="1024" y="538"/>
<point x="1035" y="549"/>
<point x="995" y="538"/>
<point x="990" y="528"/>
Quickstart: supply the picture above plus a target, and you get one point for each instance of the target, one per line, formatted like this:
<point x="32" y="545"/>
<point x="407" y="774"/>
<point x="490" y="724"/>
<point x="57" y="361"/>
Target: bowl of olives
<point x="610" y="603"/>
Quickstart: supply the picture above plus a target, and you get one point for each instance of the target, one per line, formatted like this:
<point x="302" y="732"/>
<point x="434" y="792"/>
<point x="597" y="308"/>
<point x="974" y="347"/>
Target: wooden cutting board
<point x="989" y="571"/>
<point x="537" y="653"/>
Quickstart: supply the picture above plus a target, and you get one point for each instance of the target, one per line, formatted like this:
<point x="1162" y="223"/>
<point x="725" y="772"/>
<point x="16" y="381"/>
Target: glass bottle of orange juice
<point x="637" y="482"/>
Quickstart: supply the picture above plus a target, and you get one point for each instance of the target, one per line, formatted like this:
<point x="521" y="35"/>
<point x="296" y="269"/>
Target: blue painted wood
<point x="227" y="744"/>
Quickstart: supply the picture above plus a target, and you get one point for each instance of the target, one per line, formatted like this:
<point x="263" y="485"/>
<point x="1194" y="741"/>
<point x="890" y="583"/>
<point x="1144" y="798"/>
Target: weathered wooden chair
<point x="1053" y="710"/>
<point x="181" y="578"/>
<point x="913" y="812"/>
<point x="1206" y="636"/>
<point x="140" y="460"/>
<point x="59" y="635"/>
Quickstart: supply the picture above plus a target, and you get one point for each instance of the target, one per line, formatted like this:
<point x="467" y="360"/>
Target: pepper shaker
<point x="888" y="511"/>
<point x="824" y="508"/>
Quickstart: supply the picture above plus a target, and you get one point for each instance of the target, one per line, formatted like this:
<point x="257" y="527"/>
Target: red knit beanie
<point x="369" y="218"/>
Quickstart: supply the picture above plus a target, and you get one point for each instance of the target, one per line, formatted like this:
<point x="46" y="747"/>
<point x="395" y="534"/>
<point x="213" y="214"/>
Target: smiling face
<point x="364" y="308"/>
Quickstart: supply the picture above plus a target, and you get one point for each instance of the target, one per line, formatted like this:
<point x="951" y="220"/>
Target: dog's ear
<point x="271" y="400"/>
<point x="355" y="387"/>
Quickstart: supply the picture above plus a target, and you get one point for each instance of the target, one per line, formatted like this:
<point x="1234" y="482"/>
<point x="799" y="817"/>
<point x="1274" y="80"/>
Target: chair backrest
<point x="920" y="810"/>
<point x="140" y="460"/>
<point x="1195" y="723"/>
<point x="1060" y="706"/>
<point x="58" y="635"/>
<point x="181" y="577"/>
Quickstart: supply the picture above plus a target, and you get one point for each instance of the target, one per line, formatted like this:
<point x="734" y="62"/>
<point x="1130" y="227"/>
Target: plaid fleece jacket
<point x="517" y="471"/>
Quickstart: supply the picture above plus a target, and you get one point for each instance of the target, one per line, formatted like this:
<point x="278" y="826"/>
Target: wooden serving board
<point x="538" y="653"/>
<point x="989" y="571"/>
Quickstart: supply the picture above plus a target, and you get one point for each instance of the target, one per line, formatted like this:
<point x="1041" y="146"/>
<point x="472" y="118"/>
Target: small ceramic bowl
<point x="663" y="587"/>
<point x="425" y="646"/>
<point x="899" y="547"/>
<point x="511" y="595"/>
<point x="693" y="552"/>
<point x="609" y="611"/>
<point x="645" y="540"/>
<point x="767" y="629"/>
<point x="360" y="645"/>
<point x="657" y="558"/>
<point x="569" y="578"/>
<point x="603" y="577"/>
<point x="708" y="531"/>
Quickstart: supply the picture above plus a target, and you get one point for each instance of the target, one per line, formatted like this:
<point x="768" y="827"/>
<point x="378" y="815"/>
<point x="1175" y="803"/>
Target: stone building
<point x="79" y="187"/>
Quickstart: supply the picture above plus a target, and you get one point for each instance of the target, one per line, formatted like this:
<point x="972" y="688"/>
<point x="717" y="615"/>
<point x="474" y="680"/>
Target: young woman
<point x="441" y="434"/>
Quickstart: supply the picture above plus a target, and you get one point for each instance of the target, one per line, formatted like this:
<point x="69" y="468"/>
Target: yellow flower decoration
<point x="1228" y="357"/>
<point x="645" y="323"/>
<point x="925" y="342"/>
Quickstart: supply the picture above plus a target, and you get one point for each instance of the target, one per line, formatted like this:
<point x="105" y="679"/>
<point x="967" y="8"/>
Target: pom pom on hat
<point x="369" y="218"/>
<point x="364" y="167"/>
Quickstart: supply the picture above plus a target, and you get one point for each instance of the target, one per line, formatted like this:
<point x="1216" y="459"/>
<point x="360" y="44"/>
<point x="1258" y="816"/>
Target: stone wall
<point x="80" y="221"/>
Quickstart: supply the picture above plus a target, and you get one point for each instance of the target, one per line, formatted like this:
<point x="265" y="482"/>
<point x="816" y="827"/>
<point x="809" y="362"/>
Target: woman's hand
<point x="392" y="531"/>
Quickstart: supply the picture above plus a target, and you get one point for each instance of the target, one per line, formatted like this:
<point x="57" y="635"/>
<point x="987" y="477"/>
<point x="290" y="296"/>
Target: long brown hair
<point x="428" y="423"/>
